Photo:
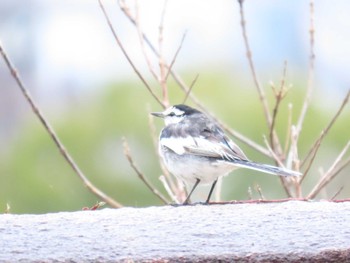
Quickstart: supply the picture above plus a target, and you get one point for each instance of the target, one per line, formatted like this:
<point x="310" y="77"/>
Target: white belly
<point x="189" y="168"/>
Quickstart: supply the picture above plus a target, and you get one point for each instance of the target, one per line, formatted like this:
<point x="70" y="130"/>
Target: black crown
<point x="186" y="109"/>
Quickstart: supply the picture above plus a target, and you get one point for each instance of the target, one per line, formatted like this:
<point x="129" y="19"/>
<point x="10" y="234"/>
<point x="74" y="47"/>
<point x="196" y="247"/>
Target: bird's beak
<point x="158" y="114"/>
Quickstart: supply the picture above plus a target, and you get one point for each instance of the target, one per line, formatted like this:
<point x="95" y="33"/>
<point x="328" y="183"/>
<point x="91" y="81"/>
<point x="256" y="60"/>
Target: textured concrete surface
<point x="275" y="232"/>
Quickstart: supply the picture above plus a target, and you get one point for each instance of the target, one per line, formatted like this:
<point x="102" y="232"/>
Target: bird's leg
<point x="211" y="191"/>
<point x="189" y="195"/>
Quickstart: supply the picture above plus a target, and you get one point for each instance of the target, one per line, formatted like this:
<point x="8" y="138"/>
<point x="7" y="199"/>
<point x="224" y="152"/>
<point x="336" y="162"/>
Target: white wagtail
<point x="196" y="150"/>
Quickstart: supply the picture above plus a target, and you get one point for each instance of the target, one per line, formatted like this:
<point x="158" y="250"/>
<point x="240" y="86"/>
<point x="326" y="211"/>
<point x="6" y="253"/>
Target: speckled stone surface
<point x="273" y="232"/>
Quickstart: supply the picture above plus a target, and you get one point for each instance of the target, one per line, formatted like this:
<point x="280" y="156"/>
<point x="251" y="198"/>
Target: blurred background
<point x="71" y="64"/>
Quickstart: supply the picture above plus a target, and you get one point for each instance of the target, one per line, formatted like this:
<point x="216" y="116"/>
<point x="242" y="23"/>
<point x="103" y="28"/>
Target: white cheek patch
<point x="177" y="145"/>
<point x="172" y="120"/>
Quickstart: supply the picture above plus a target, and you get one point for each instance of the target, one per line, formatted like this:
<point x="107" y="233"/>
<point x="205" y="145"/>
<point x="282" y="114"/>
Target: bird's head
<point x="175" y="114"/>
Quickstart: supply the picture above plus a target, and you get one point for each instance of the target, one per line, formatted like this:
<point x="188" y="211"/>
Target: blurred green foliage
<point x="36" y="179"/>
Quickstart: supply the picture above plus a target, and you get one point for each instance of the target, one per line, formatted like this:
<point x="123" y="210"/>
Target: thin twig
<point x="190" y="89"/>
<point x="242" y="138"/>
<point x="161" y="79"/>
<point x="340" y="168"/>
<point x="310" y="82"/>
<point x="175" y="56"/>
<point x="53" y="135"/>
<point x="273" y="154"/>
<point x="279" y="96"/>
<point x="331" y="173"/>
<point x="126" y="10"/>
<point x="127" y="56"/>
<point x="140" y="174"/>
<point x="337" y="171"/>
<point x="280" y="163"/>
<point x="162" y="68"/>
<point x="249" y="55"/>
<point x="229" y="130"/>
<point x="293" y="153"/>
<point x="258" y="189"/>
<point x="168" y="189"/>
<point x="314" y="153"/>
<point x="289" y="125"/>
<point x="8" y="209"/>
<point x="292" y="160"/>
<point x="326" y="130"/>
<point x="337" y="193"/>
<point x="182" y="192"/>
<point x="141" y="39"/>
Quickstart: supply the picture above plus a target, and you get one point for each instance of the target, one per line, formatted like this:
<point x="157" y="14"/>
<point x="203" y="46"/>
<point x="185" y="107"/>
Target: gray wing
<point x="202" y="137"/>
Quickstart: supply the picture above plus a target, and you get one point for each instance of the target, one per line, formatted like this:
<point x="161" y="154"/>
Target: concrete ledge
<point x="274" y="232"/>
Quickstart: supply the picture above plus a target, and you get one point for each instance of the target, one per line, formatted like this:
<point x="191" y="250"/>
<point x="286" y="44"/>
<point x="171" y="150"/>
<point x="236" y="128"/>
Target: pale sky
<point x="69" y="41"/>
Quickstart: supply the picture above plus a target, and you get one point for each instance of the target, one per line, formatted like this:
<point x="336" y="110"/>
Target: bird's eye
<point x="171" y="114"/>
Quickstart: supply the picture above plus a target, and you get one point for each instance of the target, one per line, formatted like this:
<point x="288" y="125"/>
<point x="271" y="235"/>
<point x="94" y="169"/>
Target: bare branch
<point x="310" y="83"/>
<point x="331" y="173"/>
<point x="279" y="96"/>
<point x="140" y="174"/>
<point x="53" y="135"/>
<point x="141" y="39"/>
<point x="280" y="163"/>
<point x="273" y="154"/>
<point x="326" y="130"/>
<point x="127" y="56"/>
<point x="289" y="126"/>
<point x="292" y="158"/>
<point x="162" y="63"/>
<point x="190" y="89"/>
<point x="125" y="9"/>
<point x="340" y="168"/>
<point x="175" y="56"/>
<point x="293" y="153"/>
<point x="314" y="153"/>
<point x="168" y="189"/>
<point x="8" y="209"/>
<point x="260" y="90"/>
<point x="258" y="189"/>
<point x="292" y="161"/>
<point x="337" y="193"/>
<point x="241" y="137"/>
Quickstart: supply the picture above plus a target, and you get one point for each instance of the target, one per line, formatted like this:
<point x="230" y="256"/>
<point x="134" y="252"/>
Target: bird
<point x="196" y="150"/>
